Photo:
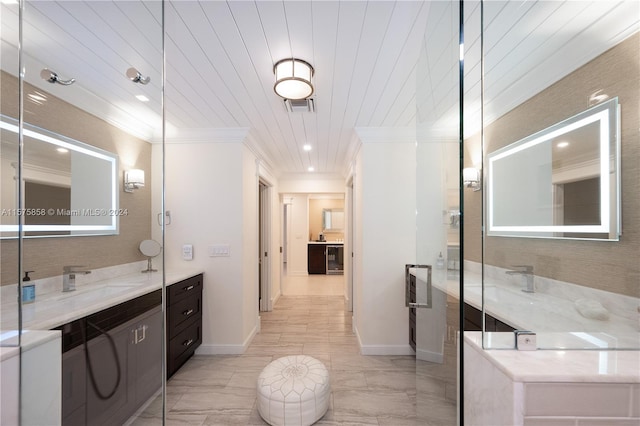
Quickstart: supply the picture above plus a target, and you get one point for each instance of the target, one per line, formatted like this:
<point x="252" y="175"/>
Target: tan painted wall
<point x="47" y="256"/>
<point x="315" y="217"/>
<point x="611" y="266"/>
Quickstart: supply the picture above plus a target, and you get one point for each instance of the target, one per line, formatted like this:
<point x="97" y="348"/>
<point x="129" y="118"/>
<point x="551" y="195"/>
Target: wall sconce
<point x="293" y="79"/>
<point x="471" y="178"/>
<point x="133" y="179"/>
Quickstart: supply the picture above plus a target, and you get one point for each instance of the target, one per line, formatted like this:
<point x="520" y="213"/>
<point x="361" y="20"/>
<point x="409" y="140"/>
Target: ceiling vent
<point x="300" y="105"/>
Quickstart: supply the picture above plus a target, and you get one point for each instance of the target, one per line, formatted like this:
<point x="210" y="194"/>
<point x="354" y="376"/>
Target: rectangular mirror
<point x="332" y="220"/>
<point x="70" y="188"/>
<point x="562" y="182"/>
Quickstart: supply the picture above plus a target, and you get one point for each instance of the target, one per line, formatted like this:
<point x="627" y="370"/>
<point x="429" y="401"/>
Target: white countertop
<point x="557" y="324"/>
<point x="57" y="308"/>
<point x="561" y="366"/>
<point x="333" y="243"/>
<point x="555" y="319"/>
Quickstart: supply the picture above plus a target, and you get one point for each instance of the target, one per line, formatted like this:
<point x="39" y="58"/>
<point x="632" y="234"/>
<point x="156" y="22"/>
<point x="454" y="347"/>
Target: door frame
<point x="264" y="246"/>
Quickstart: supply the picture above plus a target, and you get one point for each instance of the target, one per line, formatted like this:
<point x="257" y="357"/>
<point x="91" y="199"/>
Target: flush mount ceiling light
<point x="293" y="78"/>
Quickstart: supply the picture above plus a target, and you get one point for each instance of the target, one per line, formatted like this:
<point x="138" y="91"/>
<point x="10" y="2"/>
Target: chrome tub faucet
<point x="526" y="271"/>
<point x="69" y="276"/>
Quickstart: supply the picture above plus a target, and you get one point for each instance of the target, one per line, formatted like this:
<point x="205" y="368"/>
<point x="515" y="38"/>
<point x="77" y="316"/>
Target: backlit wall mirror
<point x="70" y="188"/>
<point x="562" y="182"/>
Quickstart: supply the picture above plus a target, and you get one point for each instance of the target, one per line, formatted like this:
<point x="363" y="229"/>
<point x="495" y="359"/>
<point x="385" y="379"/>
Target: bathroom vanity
<point x="593" y="383"/>
<point x="112" y="333"/>
<point x="325" y="257"/>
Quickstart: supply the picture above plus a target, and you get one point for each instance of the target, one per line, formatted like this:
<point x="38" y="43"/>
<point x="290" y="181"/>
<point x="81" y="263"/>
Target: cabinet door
<point x="74" y="390"/>
<point x="184" y="289"/>
<point x="181" y="347"/>
<point x="316" y="259"/>
<point x="145" y="356"/>
<point x="104" y="365"/>
<point x="182" y="313"/>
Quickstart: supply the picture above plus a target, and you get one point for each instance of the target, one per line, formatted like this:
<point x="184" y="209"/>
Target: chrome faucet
<point x="69" y="277"/>
<point x="527" y="277"/>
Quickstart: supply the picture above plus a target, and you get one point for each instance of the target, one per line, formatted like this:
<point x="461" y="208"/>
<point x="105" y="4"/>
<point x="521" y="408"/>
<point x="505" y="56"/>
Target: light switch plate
<point x="187" y="252"/>
<point x="219" y="250"/>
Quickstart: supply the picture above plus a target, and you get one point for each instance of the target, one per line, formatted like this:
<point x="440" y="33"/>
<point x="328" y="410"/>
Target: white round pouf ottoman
<point x="293" y="391"/>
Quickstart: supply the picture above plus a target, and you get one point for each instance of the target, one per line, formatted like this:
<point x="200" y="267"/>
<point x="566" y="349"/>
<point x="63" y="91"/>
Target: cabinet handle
<point x="139" y="334"/>
<point x="144" y="333"/>
<point x="187" y="312"/>
<point x="187" y="342"/>
<point x="188" y="288"/>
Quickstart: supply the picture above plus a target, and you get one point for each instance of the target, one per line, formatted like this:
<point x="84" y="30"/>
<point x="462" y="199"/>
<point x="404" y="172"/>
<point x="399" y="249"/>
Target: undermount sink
<point x="89" y="293"/>
<point x="494" y="294"/>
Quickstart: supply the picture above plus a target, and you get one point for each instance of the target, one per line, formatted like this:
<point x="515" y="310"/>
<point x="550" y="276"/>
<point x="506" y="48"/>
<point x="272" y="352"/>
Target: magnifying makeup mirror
<point x="151" y="249"/>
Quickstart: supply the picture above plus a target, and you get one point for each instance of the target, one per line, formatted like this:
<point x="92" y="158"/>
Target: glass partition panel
<point x="9" y="251"/>
<point x="92" y="340"/>
<point x="433" y="284"/>
<point x="559" y="149"/>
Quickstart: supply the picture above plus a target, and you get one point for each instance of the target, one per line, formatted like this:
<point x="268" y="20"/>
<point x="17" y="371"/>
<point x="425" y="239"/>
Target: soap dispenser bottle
<point x="440" y="262"/>
<point x="28" y="288"/>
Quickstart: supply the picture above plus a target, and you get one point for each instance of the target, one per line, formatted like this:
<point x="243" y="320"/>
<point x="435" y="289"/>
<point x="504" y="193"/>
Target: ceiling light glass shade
<point x="293" y="79"/>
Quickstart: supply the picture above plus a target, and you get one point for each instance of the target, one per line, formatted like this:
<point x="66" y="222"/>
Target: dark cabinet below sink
<point x="112" y="359"/>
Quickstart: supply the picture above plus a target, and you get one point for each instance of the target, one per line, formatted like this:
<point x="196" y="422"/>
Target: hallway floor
<point x="366" y="390"/>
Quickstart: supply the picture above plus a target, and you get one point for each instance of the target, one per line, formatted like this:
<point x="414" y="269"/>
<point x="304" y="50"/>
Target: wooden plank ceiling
<point x="220" y="56"/>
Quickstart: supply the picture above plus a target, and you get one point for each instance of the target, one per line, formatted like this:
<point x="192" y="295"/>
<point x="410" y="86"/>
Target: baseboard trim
<point x="208" y="349"/>
<point x="275" y="299"/>
<point x="386" y="350"/>
<point x="429" y="356"/>
<point x="382" y="349"/>
<point x="298" y="273"/>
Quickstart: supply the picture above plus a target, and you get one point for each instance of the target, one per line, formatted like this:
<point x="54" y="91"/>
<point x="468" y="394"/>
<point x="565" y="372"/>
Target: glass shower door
<point x="88" y="119"/>
<point x="433" y="282"/>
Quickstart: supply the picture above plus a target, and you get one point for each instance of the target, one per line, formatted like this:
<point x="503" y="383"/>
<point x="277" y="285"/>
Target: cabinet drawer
<point x="181" y="347"/>
<point x="182" y="312"/>
<point x="184" y="289"/>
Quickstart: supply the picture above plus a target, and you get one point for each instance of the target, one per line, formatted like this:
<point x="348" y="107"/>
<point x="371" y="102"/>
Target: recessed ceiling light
<point x="307" y="147"/>
<point x="310" y="169"/>
<point x="142" y="98"/>
<point x="563" y="144"/>
<point x="62" y="150"/>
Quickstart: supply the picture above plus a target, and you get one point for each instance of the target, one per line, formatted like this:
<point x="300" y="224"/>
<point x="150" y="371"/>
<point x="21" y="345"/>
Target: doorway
<point x="264" y="244"/>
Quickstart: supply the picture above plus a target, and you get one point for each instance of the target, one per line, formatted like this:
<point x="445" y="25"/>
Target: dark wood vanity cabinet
<point x="184" y="321"/>
<point x="316" y="258"/>
<point x="123" y="368"/>
<point x="473" y="321"/>
<point x="110" y="362"/>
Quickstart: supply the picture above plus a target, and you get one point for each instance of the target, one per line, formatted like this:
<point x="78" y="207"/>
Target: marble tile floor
<point x="366" y="390"/>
